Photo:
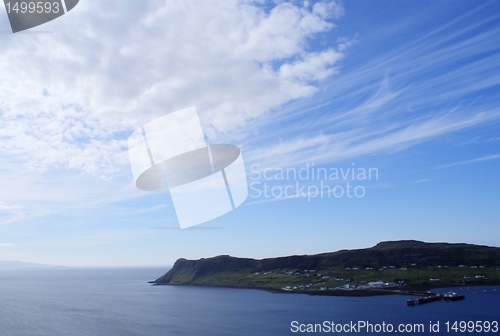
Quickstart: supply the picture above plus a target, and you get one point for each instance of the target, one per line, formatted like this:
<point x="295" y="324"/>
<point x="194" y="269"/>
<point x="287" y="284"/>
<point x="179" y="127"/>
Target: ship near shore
<point x="431" y="297"/>
<point x="452" y="296"/>
<point x="394" y="267"/>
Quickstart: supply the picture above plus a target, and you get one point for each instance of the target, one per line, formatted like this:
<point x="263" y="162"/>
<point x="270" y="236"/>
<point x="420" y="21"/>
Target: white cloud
<point x="283" y="33"/>
<point x="313" y="67"/>
<point x="413" y="92"/>
<point x="5" y="206"/>
<point x="365" y="139"/>
<point x="70" y="98"/>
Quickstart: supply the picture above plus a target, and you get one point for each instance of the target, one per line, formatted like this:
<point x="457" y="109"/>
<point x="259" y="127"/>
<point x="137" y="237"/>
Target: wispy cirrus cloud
<point x="443" y="82"/>
<point x="480" y="159"/>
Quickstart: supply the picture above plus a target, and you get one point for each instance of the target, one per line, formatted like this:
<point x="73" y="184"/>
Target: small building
<point x="376" y="284"/>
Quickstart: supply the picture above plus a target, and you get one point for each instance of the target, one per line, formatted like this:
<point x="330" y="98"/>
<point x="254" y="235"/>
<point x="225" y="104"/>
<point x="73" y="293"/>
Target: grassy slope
<point x="422" y="261"/>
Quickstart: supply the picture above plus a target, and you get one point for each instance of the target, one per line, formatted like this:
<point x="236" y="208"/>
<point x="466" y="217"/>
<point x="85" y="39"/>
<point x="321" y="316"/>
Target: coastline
<point x="416" y="290"/>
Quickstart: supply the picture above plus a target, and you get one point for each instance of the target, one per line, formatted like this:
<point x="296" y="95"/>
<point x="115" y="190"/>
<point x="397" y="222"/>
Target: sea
<point x="84" y="301"/>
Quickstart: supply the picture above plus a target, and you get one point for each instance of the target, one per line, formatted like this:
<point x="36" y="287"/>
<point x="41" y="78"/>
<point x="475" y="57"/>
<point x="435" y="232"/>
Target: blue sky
<point x="408" y="88"/>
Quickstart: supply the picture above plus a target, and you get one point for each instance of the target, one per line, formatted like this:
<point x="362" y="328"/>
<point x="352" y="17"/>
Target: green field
<point x="340" y="277"/>
<point x="403" y="263"/>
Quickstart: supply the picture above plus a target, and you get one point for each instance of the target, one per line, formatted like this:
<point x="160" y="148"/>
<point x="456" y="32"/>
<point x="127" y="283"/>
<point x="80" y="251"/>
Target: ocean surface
<point x="121" y="302"/>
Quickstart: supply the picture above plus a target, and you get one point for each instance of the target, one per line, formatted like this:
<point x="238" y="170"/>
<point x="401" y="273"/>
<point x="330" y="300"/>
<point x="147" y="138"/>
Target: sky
<point x="408" y="91"/>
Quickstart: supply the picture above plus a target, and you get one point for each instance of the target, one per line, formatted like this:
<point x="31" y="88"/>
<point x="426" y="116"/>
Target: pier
<point x="431" y="297"/>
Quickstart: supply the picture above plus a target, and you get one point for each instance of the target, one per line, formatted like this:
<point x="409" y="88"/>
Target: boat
<point x="452" y="296"/>
<point x="428" y="299"/>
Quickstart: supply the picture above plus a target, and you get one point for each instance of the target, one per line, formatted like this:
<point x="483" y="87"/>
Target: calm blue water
<point x="121" y="302"/>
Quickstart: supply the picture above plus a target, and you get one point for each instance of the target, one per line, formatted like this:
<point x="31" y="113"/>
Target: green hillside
<point x="396" y="263"/>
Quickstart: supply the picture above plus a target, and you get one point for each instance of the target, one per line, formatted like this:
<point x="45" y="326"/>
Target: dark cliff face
<point x="397" y="253"/>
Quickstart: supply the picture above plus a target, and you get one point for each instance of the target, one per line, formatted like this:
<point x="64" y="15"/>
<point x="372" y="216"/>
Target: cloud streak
<point x="481" y="159"/>
<point x="446" y="81"/>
